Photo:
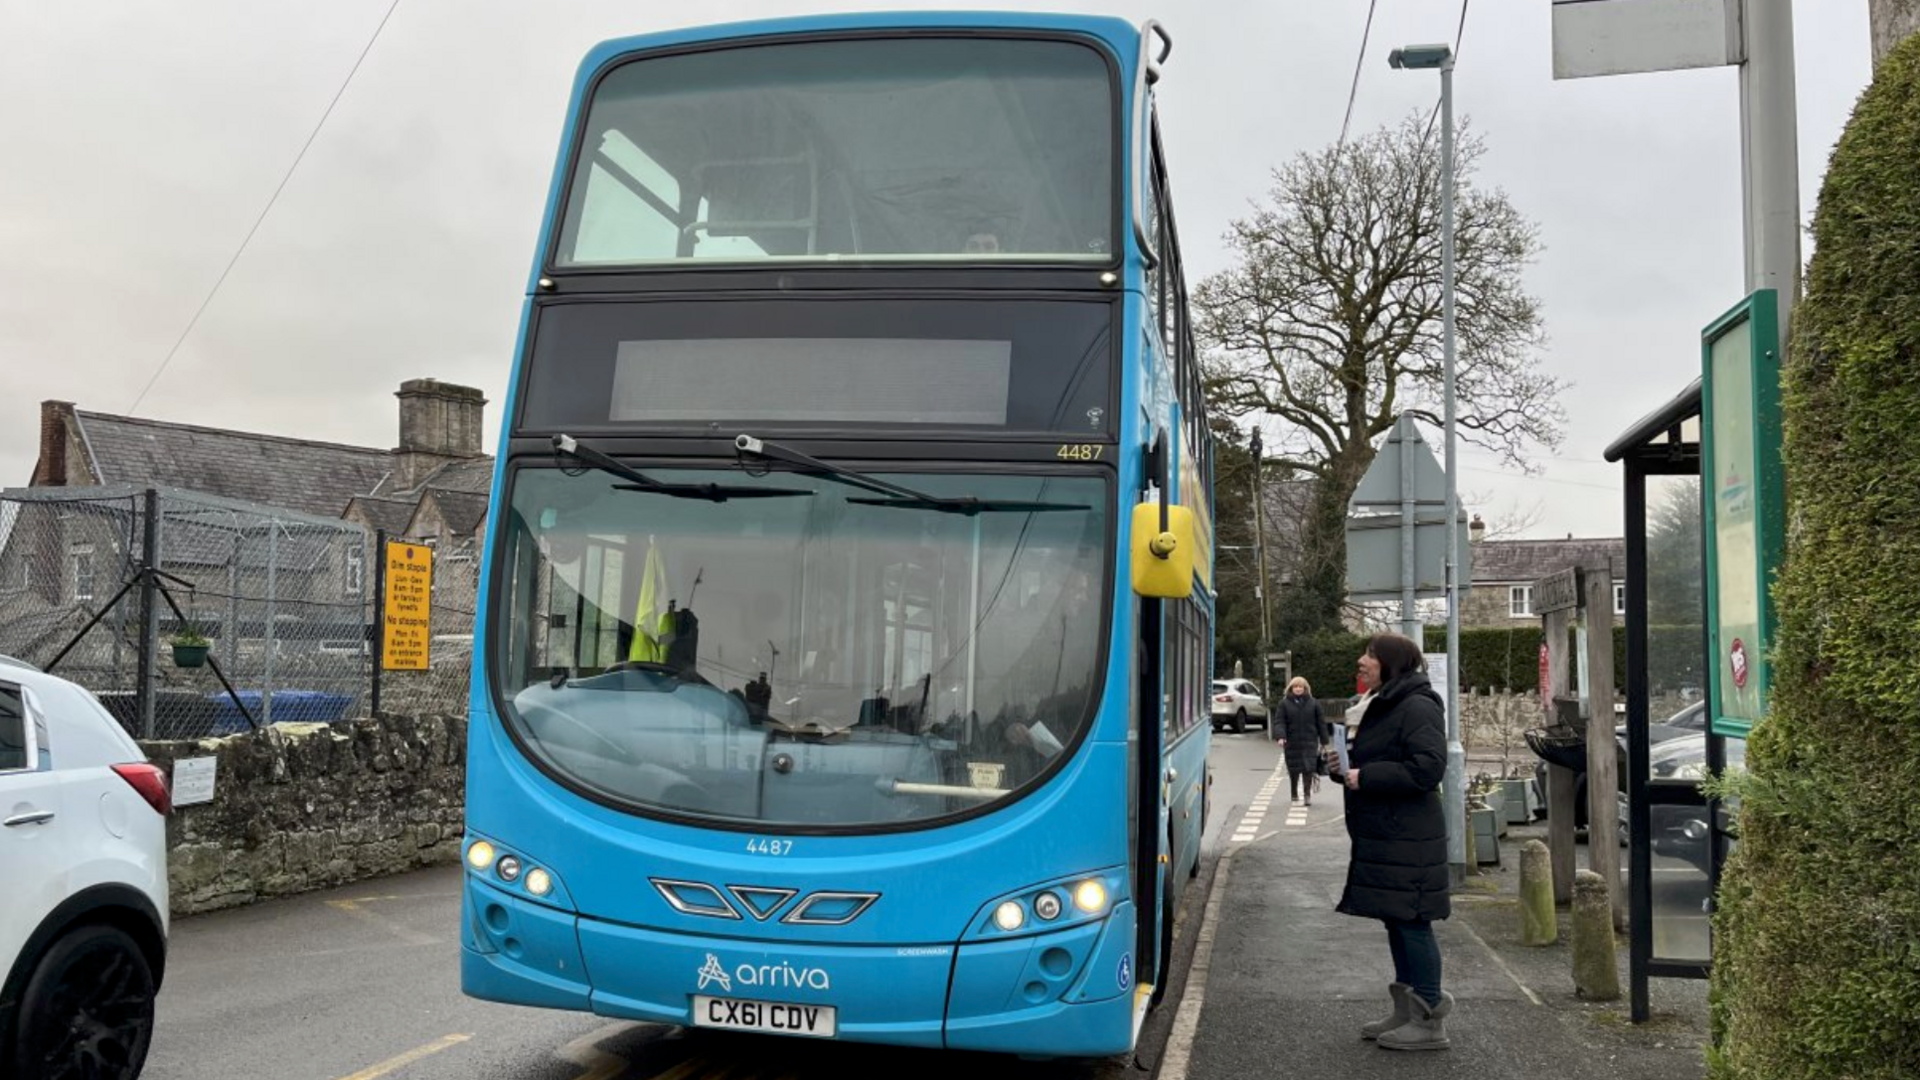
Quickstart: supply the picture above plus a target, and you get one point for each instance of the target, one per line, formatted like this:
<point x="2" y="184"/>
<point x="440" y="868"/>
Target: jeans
<point x="1416" y="957"/>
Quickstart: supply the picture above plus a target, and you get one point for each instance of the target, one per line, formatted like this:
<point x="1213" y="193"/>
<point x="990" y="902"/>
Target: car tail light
<point x="151" y="783"/>
<point x="1223" y="698"/>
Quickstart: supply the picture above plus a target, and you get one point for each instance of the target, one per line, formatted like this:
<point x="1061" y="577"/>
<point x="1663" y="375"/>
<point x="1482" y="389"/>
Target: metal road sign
<point x="1396" y="524"/>
<point x="408" y="607"/>
<point x="1381" y="485"/>
<point x="1626" y="37"/>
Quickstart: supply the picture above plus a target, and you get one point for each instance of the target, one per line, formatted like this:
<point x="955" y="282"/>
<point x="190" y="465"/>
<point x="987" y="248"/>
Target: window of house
<point x="1520" y="601"/>
<point x="1619" y="598"/>
<point x="83" y="572"/>
<point x="356" y="571"/>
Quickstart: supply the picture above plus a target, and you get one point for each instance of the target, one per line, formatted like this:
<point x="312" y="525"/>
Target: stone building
<point x="1504" y="572"/>
<point x="68" y="543"/>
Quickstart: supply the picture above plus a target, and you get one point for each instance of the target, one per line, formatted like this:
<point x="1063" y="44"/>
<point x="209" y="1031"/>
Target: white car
<point x="1236" y="701"/>
<point x="83" y="889"/>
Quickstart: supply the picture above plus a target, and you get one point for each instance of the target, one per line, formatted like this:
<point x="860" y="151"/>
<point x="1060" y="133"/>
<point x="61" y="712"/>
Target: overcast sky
<point x="140" y="142"/>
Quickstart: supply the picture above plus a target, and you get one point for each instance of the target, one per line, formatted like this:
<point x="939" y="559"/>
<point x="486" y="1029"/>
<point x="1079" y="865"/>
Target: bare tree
<point x="1331" y="322"/>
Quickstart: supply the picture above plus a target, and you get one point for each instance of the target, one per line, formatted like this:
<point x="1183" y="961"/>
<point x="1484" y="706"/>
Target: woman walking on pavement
<point x="1302" y="731"/>
<point x="1398" y="870"/>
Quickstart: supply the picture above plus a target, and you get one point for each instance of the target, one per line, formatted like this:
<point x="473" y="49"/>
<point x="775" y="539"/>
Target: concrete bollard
<point x="1539" y="924"/>
<point x="1596" y="967"/>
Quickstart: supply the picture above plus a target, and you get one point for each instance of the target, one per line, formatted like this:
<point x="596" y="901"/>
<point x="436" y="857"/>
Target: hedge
<point x="1503" y="658"/>
<point x="1817" y="933"/>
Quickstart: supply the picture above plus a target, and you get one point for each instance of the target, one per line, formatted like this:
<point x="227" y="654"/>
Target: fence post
<point x="379" y="627"/>
<point x="149" y="615"/>
<point x="273" y="625"/>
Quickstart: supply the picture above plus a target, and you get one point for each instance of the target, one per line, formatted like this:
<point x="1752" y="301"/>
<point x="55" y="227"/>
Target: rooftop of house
<point x="1526" y="561"/>
<point x="438" y="451"/>
<point x="299" y="474"/>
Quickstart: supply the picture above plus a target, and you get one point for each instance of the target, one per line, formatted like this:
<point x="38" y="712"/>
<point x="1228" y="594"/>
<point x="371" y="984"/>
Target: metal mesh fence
<point x="282" y="601"/>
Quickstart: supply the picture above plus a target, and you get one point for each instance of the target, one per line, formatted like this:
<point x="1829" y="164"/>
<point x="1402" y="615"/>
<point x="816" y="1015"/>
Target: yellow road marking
<point x="353" y="908"/>
<point x="398" y="1061"/>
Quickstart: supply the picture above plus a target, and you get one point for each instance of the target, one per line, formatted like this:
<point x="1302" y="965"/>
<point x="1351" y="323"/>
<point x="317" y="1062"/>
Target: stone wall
<point x="307" y="806"/>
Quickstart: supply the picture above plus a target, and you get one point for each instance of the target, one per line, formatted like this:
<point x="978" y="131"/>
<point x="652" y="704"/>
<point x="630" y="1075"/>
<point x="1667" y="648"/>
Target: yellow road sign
<point x="408" y="626"/>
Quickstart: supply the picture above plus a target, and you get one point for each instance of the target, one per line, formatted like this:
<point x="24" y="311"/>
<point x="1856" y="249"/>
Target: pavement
<point x="1280" y="983"/>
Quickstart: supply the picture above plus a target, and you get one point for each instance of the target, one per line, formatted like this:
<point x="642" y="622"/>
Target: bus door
<point x="1145" y="786"/>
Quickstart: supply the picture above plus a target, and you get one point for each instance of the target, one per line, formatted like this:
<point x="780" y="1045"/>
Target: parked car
<point x="83" y="911"/>
<point x="1680" y="831"/>
<point x="1236" y="701"/>
<point x="1690" y="721"/>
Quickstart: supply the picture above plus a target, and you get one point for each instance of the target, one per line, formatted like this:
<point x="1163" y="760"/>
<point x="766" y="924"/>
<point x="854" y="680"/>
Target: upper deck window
<point x="865" y="150"/>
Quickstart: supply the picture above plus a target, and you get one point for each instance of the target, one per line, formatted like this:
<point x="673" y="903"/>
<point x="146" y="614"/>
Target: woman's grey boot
<point x="1426" y="1030"/>
<point x="1402" y="1012"/>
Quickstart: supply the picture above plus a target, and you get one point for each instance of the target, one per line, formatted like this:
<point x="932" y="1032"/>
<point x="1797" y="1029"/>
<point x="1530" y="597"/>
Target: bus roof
<point x="1122" y="36"/>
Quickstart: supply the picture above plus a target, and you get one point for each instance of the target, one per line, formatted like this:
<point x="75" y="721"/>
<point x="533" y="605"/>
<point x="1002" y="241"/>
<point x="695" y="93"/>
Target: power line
<point x="264" y="211"/>
<point x="1354" y="90"/>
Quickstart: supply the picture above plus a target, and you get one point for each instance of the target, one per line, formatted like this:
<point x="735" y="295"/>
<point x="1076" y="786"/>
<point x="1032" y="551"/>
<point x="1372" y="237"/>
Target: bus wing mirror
<point x="1162" y="554"/>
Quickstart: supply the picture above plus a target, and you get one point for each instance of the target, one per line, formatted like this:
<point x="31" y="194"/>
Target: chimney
<point x="55" y="421"/>
<point x="439" y="424"/>
<point x="1476" y="530"/>
<point x="440" y="418"/>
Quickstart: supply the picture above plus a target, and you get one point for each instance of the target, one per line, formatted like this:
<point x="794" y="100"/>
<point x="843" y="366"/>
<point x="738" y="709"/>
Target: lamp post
<point x="1428" y="57"/>
<point x="1260" y="556"/>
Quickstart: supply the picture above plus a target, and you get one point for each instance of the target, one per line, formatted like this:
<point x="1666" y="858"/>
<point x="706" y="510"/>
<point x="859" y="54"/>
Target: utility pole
<point x="1260" y="554"/>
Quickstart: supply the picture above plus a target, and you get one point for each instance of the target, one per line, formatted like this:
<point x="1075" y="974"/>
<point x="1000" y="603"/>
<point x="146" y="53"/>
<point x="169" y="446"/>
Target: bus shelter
<point x="1677" y="837"/>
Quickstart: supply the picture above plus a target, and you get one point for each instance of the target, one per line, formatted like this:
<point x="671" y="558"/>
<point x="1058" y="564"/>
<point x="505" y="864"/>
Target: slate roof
<point x="300" y="474"/>
<point x="1522" y="562"/>
<point x="462" y="510"/>
<point x="389" y="514"/>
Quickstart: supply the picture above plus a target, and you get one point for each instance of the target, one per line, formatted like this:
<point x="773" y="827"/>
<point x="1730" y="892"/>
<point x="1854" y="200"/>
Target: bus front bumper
<point x="1067" y="992"/>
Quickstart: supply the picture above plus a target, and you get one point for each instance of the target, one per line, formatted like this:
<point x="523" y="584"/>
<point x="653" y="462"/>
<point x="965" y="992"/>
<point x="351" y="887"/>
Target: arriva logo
<point x="712" y="972"/>
<point x="777" y="976"/>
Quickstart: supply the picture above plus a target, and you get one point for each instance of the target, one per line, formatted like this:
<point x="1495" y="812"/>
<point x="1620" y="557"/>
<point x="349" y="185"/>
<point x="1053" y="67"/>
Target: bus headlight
<point x="480" y="855"/>
<point x="1047" y="906"/>
<point x="1090" y="896"/>
<point x="1010" y="916"/>
<point x="539" y="882"/>
<point x="508" y="868"/>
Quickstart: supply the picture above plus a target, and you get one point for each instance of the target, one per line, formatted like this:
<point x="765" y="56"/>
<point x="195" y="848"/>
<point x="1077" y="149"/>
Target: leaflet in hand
<point x="1340" y="746"/>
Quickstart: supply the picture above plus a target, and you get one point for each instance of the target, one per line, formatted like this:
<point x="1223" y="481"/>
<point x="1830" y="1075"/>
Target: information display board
<point x="1740" y="466"/>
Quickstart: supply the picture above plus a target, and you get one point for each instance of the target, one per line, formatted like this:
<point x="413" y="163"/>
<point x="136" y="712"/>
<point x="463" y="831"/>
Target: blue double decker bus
<point x="845" y="636"/>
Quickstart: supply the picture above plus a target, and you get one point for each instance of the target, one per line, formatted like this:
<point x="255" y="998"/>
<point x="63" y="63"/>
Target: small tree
<point x="1331" y="321"/>
<point x="1817" y="938"/>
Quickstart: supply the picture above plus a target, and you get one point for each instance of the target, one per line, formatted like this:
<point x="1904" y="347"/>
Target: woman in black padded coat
<point x="1398" y="870"/>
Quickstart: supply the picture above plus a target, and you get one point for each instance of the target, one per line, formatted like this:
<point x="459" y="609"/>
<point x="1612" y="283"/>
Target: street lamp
<point x="1426" y="58"/>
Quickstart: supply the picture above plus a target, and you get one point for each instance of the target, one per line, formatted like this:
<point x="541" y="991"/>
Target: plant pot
<point x="190" y="655"/>
<point x="1486" y="836"/>
<point x="1517" y="810"/>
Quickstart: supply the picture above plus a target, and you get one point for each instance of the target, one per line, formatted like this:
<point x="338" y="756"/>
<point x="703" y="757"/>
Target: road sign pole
<point x="1769" y="151"/>
<point x="1456" y="788"/>
<point x="1409" y="620"/>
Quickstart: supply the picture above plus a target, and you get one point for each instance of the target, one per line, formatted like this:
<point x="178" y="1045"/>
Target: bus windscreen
<point x="875" y="149"/>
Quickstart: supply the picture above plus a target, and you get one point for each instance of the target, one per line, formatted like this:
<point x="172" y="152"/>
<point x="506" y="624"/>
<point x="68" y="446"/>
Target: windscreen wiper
<point x="639" y="481"/>
<point x="895" y="494"/>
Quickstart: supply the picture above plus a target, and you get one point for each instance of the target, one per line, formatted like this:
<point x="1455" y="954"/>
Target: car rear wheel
<point x="1240" y="722"/>
<point x="87" y="1010"/>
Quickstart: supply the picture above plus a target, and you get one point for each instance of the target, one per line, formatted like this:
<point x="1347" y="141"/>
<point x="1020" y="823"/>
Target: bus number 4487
<point x="764" y="846"/>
